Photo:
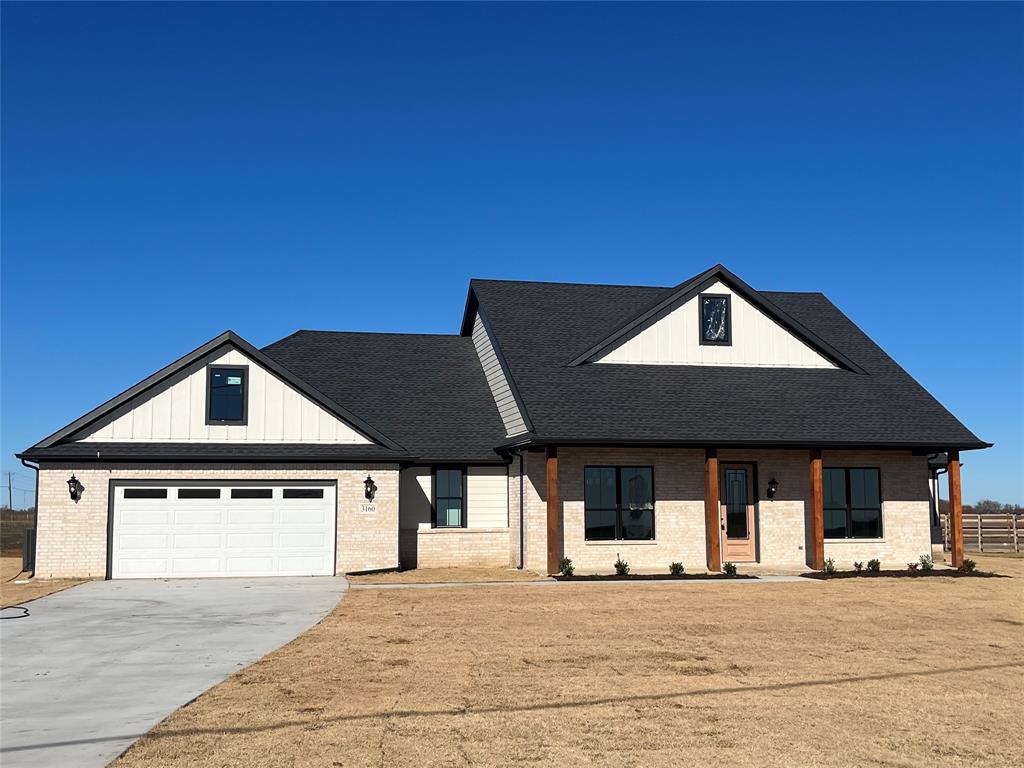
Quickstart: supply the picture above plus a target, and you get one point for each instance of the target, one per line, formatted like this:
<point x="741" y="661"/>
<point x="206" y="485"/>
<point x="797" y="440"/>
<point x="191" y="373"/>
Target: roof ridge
<point x="559" y="282"/>
<point x="366" y="333"/>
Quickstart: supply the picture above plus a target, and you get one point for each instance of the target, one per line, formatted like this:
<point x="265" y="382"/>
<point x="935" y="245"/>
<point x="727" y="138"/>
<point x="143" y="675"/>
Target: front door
<point x="739" y="543"/>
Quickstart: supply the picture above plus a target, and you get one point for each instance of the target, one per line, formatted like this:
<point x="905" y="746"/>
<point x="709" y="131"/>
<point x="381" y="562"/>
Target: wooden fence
<point x="992" y="532"/>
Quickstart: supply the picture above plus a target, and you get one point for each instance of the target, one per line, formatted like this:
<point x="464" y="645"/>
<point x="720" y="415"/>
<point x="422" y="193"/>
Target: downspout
<point x="35" y="515"/>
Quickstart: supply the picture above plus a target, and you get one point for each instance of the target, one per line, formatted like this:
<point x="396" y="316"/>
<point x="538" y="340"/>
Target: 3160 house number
<point x="368" y="508"/>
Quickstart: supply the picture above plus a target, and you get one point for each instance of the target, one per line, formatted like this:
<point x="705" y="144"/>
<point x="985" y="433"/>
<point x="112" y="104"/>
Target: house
<point x="702" y="423"/>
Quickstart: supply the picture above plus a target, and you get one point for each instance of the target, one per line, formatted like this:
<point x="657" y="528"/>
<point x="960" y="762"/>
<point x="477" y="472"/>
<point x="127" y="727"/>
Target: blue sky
<point x="173" y="170"/>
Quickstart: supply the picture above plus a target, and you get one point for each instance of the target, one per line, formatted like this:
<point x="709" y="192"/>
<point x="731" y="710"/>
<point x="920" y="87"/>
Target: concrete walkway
<point x="91" y="669"/>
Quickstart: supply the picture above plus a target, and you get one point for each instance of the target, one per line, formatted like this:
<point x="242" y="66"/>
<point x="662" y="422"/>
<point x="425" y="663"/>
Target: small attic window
<point x="715" y="319"/>
<point x="227" y="394"/>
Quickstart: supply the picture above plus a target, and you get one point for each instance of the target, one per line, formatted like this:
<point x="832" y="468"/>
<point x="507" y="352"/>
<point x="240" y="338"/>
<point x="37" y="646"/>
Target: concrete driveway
<point x="91" y="669"/>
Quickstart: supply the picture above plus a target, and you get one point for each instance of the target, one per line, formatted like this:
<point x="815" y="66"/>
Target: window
<point x="715" y="320"/>
<point x="199" y="493"/>
<point x="618" y="503"/>
<point x="227" y="390"/>
<point x="449" y="496"/>
<point x="145" y="493"/>
<point x="852" y="503"/>
<point x="252" y="493"/>
<point x="303" y="493"/>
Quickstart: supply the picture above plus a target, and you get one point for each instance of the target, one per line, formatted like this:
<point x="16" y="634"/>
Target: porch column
<point x="956" y="512"/>
<point x="712" y="523"/>
<point x="554" y="519"/>
<point x="817" y="515"/>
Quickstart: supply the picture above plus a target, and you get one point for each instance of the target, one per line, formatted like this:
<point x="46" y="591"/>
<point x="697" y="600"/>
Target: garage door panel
<point x="131" y="517"/>
<point x="186" y="541"/>
<point x="312" y="540"/>
<point x="298" y="564"/>
<point x="303" y="516"/>
<point x="252" y="540"/>
<point x="198" y="517"/>
<point x="161" y="535"/>
<point x="238" y="517"/>
<point x="137" y="541"/>
<point x="196" y="566"/>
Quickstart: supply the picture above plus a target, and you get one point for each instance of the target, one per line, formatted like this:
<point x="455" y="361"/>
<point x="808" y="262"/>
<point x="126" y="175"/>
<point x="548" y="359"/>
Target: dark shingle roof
<point x="542" y="327"/>
<point x="428" y="392"/>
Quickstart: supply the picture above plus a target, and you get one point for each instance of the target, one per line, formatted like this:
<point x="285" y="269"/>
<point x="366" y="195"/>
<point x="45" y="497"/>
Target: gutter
<point x="533" y="441"/>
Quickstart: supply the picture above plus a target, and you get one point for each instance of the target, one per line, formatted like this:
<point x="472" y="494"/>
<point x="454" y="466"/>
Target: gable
<point x="175" y="411"/>
<point x="672" y="337"/>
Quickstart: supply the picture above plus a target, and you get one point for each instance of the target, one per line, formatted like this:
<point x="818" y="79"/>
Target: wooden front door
<point x="739" y="535"/>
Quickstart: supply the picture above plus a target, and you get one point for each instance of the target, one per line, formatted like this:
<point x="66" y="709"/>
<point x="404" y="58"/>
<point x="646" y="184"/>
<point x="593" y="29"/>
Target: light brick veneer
<point x="906" y="516"/>
<point x="72" y="537"/>
<point x="783" y="523"/>
<point x="452" y="547"/>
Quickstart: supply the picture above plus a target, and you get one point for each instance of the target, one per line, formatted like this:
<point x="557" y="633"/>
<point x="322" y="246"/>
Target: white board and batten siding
<point x="508" y="409"/>
<point x="486" y="497"/>
<point x="757" y="340"/>
<point x="176" y="412"/>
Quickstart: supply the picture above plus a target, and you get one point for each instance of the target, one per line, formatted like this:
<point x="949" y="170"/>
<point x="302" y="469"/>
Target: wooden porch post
<point x="712" y="523"/>
<point x="554" y="523"/>
<point x="956" y="512"/>
<point x="817" y="514"/>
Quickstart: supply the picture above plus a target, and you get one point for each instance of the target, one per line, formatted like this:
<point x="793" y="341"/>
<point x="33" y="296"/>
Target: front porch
<point x="767" y="510"/>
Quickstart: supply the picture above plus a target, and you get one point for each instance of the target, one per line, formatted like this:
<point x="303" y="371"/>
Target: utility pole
<point x="10" y="493"/>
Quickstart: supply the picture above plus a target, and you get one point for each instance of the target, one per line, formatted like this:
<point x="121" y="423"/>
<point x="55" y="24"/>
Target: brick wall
<point x="72" y="537"/>
<point x="782" y="523"/>
<point x="452" y="547"/>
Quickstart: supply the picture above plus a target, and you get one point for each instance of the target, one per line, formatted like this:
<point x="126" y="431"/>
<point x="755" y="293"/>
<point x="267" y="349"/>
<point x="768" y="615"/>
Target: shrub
<point x="621" y="566"/>
<point x="676" y="569"/>
<point x="830" y="566"/>
<point x="730" y="569"/>
<point x="565" y="567"/>
<point x="875" y="565"/>
<point x="913" y="566"/>
<point x="927" y="563"/>
<point x="858" y="566"/>
<point x="969" y="566"/>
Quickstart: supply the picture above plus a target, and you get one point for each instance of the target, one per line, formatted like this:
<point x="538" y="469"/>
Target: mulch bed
<point x="654" y="577"/>
<point x="903" y="574"/>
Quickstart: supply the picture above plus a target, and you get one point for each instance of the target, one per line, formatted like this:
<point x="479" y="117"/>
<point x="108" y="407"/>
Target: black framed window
<point x="852" y="501"/>
<point x="145" y="493"/>
<point x="715" y="318"/>
<point x="449" y="498"/>
<point x="618" y="503"/>
<point x="199" y="493"/>
<point x="252" y="493"/>
<point x="226" y="394"/>
<point x="303" y="493"/>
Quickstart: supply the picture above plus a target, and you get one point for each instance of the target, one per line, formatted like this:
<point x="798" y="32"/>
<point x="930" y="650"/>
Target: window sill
<point x="855" y="541"/>
<point x="620" y="543"/>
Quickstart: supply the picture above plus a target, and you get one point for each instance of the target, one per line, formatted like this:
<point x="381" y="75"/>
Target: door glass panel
<point x="835" y="523"/>
<point x="736" y="503"/>
<point x="864" y="488"/>
<point x="866" y="523"/>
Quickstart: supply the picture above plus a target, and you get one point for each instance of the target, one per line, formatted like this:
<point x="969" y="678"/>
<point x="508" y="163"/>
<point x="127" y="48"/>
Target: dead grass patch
<point x="892" y="672"/>
<point x="444" y="575"/>
<point x="16" y="594"/>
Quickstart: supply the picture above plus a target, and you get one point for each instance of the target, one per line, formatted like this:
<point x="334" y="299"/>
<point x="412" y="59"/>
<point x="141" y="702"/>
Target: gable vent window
<point x="715" y="319"/>
<point x="227" y="393"/>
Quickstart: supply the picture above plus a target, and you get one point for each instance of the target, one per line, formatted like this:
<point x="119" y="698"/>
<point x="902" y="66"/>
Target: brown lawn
<point x="443" y="575"/>
<point x="16" y="594"/>
<point x="852" y="673"/>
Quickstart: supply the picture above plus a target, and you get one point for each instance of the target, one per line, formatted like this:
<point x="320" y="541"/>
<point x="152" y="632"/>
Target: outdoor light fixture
<point x="74" y="488"/>
<point x="773" y="486"/>
<point x="371" y="487"/>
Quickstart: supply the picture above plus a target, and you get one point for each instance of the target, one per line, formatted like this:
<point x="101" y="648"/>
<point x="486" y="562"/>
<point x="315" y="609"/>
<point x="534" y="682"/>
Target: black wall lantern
<point x="371" y="487"/>
<point x="773" y="486"/>
<point x="75" y="488"/>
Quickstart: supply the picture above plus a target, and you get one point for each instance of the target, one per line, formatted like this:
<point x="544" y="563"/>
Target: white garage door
<point x="242" y="529"/>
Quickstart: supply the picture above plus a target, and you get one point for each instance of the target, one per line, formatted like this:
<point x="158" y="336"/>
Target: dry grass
<point x="443" y="575"/>
<point x="16" y="594"/>
<point x="888" y="672"/>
